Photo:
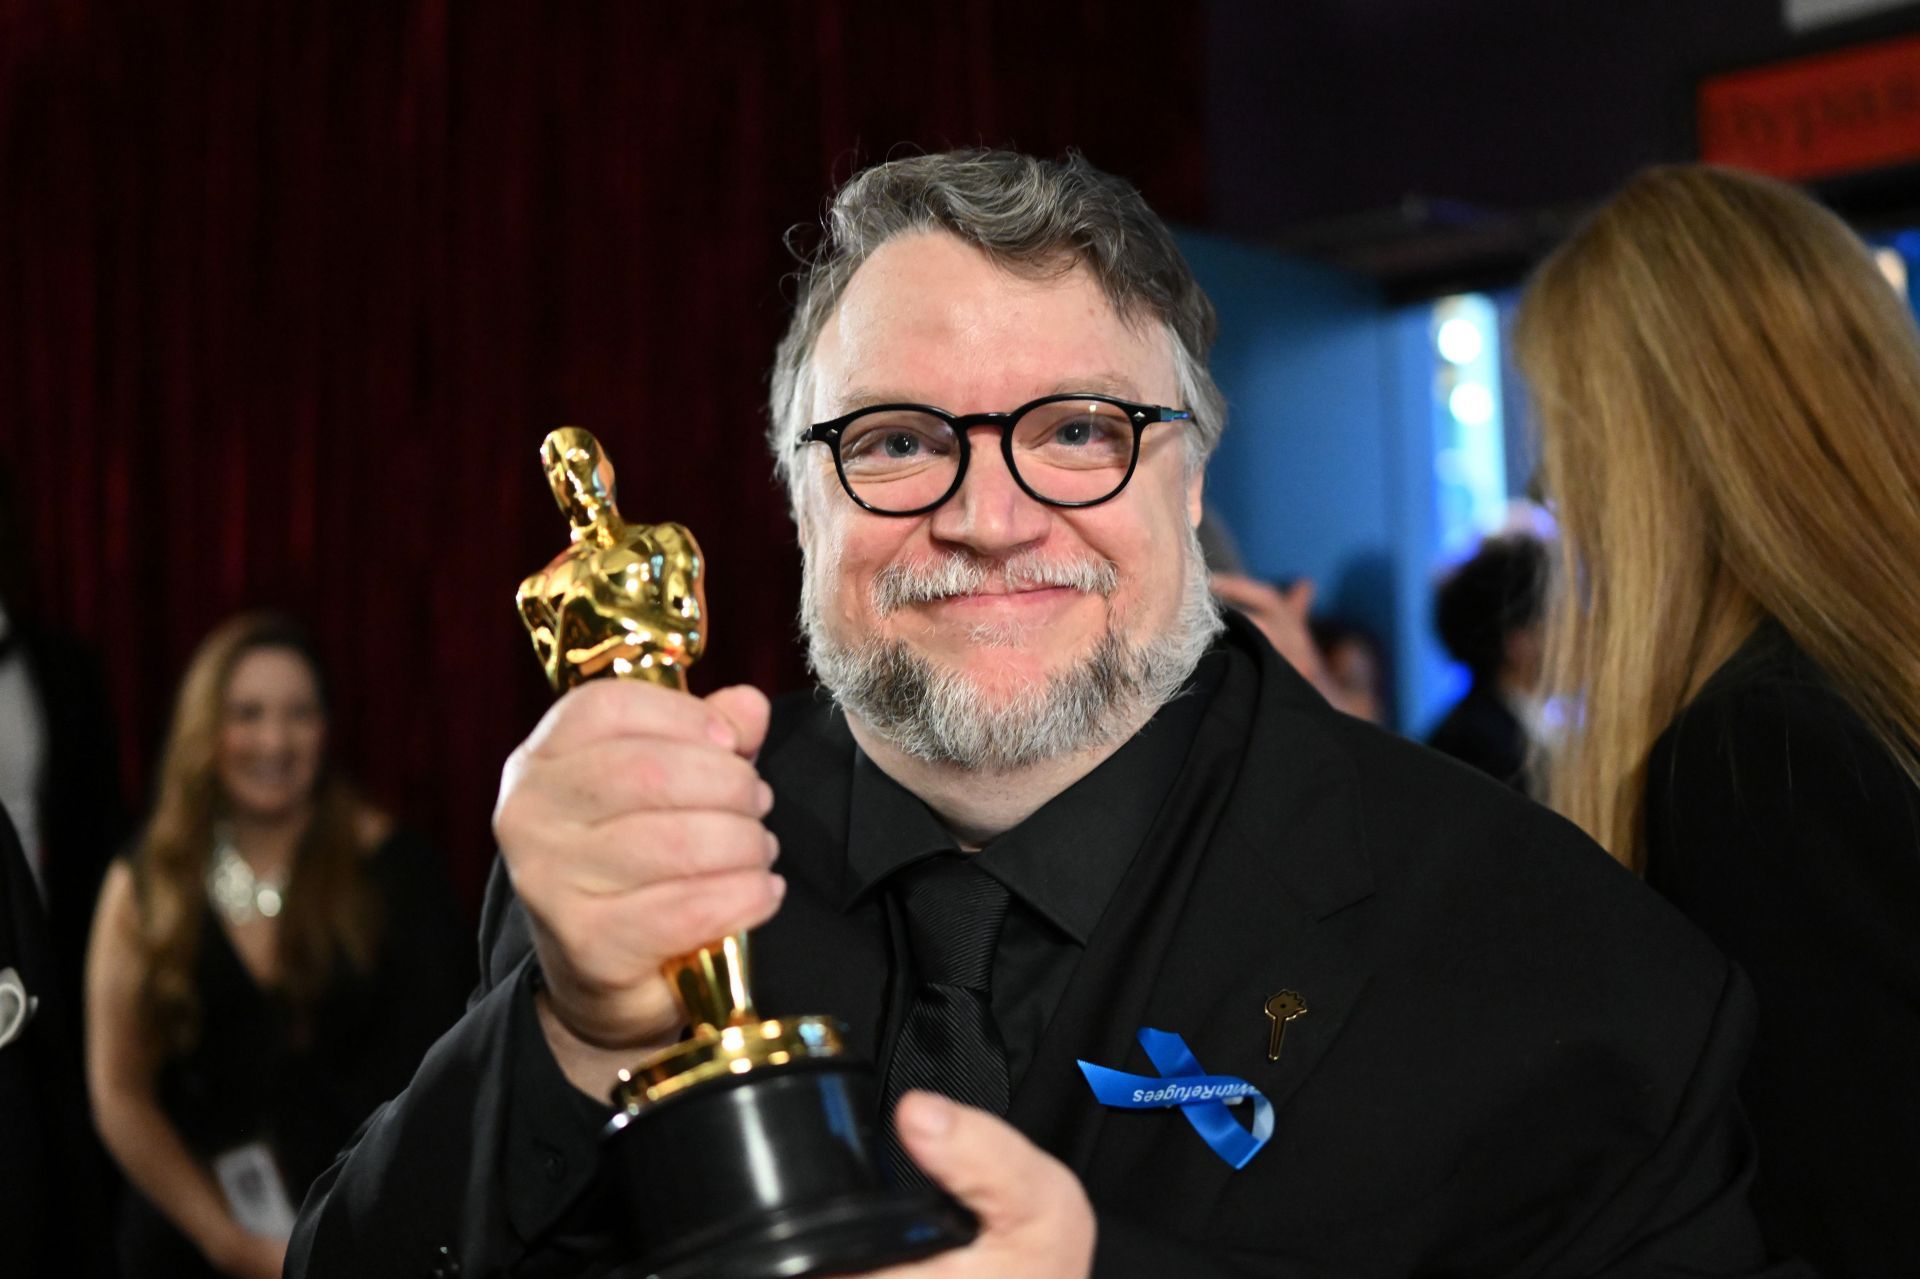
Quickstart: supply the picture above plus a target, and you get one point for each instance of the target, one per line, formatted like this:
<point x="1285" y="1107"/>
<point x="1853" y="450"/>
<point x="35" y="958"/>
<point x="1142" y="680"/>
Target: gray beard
<point x="938" y="715"/>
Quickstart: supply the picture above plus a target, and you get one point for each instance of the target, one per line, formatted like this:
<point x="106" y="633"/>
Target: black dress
<point x="1790" y="834"/>
<point x="1480" y="730"/>
<point x="259" y="1073"/>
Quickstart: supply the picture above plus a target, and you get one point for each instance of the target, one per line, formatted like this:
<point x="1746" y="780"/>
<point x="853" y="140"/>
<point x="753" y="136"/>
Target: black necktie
<point x="948" y="1043"/>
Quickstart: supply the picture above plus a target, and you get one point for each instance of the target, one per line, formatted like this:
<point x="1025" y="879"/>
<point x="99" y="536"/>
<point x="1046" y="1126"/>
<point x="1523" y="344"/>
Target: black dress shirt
<point x="1060" y="866"/>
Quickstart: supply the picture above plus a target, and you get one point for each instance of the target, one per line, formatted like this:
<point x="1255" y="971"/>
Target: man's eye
<point x="1082" y="431"/>
<point x="883" y="444"/>
<point x="891" y="443"/>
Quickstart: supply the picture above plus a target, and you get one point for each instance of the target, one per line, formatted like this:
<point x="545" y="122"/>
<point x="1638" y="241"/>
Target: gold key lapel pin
<point x="1281" y="1009"/>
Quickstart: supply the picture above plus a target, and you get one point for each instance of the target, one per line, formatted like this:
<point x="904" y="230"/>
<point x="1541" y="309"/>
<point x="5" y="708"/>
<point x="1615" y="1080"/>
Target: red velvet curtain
<point x="289" y="294"/>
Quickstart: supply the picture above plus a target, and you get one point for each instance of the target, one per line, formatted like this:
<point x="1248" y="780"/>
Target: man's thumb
<point x="979" y="1159"/>
<point x="746" y="708"/>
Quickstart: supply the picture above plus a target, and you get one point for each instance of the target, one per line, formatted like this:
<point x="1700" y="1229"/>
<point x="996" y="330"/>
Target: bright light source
<point x="1894" y="267"/>
<point x="1471" y="404"/>
<point x="1469" y="448"/>
<point x="1459" y="341"/>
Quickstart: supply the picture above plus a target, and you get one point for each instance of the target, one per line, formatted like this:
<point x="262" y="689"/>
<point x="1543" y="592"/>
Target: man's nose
<point x="991" y="513"/>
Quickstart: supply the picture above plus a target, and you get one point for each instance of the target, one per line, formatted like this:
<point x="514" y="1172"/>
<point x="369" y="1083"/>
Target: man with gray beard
<point x="930" y="712"/>
<point x="1169" y="969"/>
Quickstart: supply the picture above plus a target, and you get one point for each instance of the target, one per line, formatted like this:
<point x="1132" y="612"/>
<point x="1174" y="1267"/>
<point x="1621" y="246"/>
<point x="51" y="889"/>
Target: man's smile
<point x="1003" y="598"/>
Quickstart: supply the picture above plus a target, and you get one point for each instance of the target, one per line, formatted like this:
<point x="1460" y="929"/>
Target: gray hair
<point x="1038" y="217"/>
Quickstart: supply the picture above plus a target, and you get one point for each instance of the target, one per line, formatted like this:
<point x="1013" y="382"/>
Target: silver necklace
<point x="232" y="886"/>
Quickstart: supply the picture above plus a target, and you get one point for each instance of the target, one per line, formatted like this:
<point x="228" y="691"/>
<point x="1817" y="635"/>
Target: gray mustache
<point x="899" y="585"/>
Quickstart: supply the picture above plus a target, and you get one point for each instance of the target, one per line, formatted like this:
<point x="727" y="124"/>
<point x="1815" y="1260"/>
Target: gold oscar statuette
<point x="628" y="601"/>
<point x="746" y="1149"/>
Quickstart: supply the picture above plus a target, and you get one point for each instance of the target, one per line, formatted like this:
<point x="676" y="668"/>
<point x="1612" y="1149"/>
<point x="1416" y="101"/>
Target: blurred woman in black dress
<point x="267" y="966"/>
<point x="1729" y="399"/>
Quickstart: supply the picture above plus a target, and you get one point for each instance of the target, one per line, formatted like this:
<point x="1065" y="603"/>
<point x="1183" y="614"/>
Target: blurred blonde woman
<point x="266" y="967"/>
<point x="1728" y="394"/>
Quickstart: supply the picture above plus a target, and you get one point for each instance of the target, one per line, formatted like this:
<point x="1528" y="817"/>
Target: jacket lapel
<point x="1261" y="848"/>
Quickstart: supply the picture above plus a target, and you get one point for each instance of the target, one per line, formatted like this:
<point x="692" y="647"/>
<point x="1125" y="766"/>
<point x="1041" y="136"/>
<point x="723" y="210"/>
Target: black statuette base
<point x="772" y="1174"/>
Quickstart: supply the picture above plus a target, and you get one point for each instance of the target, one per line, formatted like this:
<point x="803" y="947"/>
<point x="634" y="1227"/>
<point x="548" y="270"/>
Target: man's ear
<point x="1195" y="488"/>
<point x="804" y="505"/>
<point x="798" y="505"/>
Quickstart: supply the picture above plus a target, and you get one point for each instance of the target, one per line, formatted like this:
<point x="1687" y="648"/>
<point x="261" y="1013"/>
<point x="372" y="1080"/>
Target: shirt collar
<point x="1064" y="861"/>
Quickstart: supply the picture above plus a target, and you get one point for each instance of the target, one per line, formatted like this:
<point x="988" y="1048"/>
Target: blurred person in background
<point x="1343" y="662"/>
<point x="50" y="1164"/>
<point x="1356" y="663"/>
<point x="1487" y="612"/>
<point x="59" y="771"/>
<point x="1729" y="399"/>
<point x="267" y="966"/>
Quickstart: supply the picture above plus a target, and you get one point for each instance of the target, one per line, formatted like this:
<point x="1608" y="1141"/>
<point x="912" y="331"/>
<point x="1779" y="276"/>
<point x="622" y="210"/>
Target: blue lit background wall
<point x="1301" y="475"/>
<point x="1311" y="477"/>
<point x="1353" y="456"/>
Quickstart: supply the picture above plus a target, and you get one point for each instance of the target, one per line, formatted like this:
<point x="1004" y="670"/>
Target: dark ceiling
<point x="1443" y="144"/>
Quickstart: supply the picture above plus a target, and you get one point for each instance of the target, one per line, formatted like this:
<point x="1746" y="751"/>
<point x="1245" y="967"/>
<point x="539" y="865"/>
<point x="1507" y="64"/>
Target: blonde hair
<point x="329" y="913"/>
<point x="1728" y="394"/>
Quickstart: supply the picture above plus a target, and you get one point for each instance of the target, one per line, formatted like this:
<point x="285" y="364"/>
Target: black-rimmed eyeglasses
<point x="1064" y="450"/>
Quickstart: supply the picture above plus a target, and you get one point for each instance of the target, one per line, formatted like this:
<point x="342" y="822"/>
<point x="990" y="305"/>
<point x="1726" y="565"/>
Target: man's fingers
<point x="609" y="708"/>
<point x="690" y="913"/>
<point x="614" y="778"/>
<point x="608" y="950"/>
<point x="747" y="711"/>
<point x="627" y="854"/>
<point x="982" y="1161"/>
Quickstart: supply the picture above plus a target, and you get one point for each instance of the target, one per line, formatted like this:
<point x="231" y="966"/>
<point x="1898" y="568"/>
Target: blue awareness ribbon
<point x="1201" y="1097"/>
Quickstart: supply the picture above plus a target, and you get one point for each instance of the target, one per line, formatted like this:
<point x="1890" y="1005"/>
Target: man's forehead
<point x="858" y="394"/>
<point x="927" y="309"/>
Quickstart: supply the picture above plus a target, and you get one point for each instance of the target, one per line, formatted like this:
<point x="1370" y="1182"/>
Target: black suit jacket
<point x="1516" y="1060"/>
<point x="84" y="822"/>
<point x="53" y="1175"/>
<point x="1786" y="829"/>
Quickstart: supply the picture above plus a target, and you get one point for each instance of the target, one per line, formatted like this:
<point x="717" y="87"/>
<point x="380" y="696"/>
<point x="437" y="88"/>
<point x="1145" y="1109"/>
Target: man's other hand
<point x="1035" y="1220"/>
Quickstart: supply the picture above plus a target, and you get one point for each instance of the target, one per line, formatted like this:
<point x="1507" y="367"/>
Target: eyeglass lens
<point x="1071" y="451"/>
